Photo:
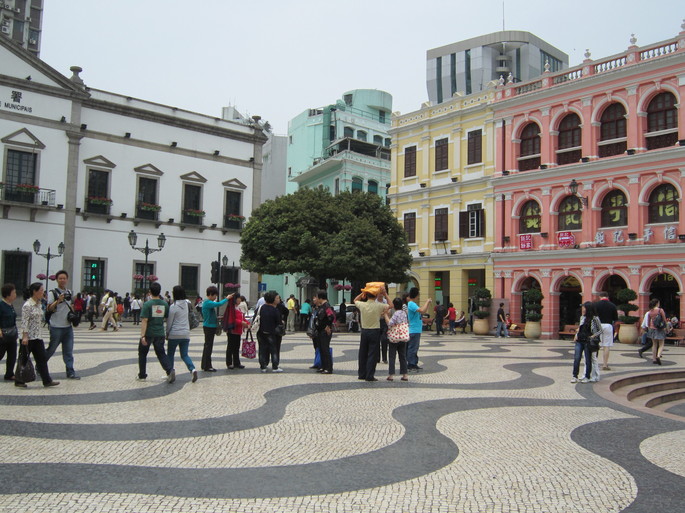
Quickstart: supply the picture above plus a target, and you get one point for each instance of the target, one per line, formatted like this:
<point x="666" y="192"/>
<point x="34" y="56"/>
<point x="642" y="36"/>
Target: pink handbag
<point x="398" y="333"/>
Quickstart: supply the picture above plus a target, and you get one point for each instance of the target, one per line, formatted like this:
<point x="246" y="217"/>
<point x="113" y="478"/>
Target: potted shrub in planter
<point x="627" y="333"/>
<point x="532" y="299"/>
<point x="483" y="299"/>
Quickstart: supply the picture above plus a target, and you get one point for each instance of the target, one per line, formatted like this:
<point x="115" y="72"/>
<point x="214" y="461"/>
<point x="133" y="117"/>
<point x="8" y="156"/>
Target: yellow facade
<point x="452" y="258"/>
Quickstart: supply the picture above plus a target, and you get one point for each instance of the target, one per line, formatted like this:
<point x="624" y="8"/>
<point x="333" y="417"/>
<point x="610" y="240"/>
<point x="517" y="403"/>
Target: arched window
<point x="614" y="209"/>
<point x="530" y="221"/>
<point x="570" y="214"/>
<point x="529" y="157"/>
<point x="663" y="204"/>
<point x="361" y="135"/>
<point x="662" y="114"/>
<point x="357" y="184"/>
<point x="569" y="137"/>
<point x="613" y="126"/>
<point x="373" y="186"/>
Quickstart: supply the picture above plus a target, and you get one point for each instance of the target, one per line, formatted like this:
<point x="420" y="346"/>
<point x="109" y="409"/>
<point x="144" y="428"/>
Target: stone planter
<point x="481" y="326"/>
<point x="627" y="334"/>
<point x="532" y="330"/>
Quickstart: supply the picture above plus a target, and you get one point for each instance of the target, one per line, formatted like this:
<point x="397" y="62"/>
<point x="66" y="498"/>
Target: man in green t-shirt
<point x="152" y="332"/>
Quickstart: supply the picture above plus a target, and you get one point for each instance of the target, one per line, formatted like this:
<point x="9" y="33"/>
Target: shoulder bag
<point x="192" y="318"/>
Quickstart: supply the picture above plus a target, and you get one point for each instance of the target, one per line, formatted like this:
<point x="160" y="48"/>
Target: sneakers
<point x="265" y="370"/>
<point x="574" y="380"/>
<point x="278" y="370"/>
<point x="194" y="373"/>
<point x="584" y="380"/>
<point x="171" y="377"/>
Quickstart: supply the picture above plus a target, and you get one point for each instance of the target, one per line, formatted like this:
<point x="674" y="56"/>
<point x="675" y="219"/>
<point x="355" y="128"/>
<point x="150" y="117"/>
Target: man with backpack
<point x="61" y="330"/>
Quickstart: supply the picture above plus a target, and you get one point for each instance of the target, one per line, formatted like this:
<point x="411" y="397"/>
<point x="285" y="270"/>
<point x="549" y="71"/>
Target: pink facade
<point x="615" y="128"/>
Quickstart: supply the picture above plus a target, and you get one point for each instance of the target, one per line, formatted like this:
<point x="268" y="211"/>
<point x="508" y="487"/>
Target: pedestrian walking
<point x="152" y="333"/>
<point x="8" y="329"/>
<point x="178" y="330"/>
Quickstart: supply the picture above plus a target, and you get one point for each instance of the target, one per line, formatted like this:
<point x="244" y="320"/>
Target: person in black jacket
<point x="270" y="322"/>
<point x="608" y="316"/>
<point x="323" y="331"/>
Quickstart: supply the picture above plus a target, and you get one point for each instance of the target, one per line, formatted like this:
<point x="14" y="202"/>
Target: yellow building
<point x="441" y="190"/>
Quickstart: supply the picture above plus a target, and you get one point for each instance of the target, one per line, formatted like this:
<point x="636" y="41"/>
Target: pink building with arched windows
<point x="590" y="174"/>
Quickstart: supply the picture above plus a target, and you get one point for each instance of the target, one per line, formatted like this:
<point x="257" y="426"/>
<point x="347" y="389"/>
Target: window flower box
<point x="234" y="221"/>
<point x="194" y="213"/>
<point x="149" y="207"/>
<point x="94" y="200"/>
<point x="193" y="216"/>
<point x="27" y="188"/>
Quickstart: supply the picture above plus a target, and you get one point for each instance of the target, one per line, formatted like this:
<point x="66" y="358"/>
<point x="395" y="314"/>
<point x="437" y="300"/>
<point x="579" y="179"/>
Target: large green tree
<point x="351" y="236"/>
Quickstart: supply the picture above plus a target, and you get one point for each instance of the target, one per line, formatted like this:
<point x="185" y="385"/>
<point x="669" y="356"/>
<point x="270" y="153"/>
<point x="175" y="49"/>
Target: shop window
<point x="614" y="209"/>
<point x="530" y="220"/>
<point x="663" y="204"/>
<point x="570" y="214"/>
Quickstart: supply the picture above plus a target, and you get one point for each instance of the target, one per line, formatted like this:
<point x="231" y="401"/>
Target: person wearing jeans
<point x="398" y="348"/>
<point x="61" y="330"/>
<point x="178" y="330"/>
<point x="414" y="314"/>
<point x="589" y="327"/>
<point x="501" y="330"/>
<point x="152" y="333"/>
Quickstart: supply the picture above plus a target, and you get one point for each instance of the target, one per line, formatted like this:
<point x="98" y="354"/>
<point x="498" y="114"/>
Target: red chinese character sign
<point x="526" y="241"/>
<point x="566" y="239"/>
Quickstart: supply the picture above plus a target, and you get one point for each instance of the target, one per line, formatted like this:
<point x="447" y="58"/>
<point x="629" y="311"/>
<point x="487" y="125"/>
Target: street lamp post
<point x="49" y="256"/>
<point x="133" y="238"/>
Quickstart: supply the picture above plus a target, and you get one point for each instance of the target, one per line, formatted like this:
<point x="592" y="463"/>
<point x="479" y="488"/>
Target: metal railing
<point x="18" y="194"/>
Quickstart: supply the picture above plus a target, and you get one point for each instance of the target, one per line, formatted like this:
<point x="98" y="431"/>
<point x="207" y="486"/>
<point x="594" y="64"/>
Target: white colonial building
<point x="85" y="167"/>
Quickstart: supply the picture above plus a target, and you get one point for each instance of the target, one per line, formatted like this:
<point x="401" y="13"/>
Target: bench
<point x="677" y="337"/>
<point x="569" y="330"/>
<point x="518" y="331"/>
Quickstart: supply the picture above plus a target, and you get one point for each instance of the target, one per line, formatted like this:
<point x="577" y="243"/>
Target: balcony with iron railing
<point x="27" y="194"/>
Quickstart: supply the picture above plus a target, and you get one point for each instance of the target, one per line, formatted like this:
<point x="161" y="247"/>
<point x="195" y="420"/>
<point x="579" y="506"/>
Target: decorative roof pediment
<point x="23" y="138"/>
<point x="194" y="176"/>
<point x="234" y="183"/>
<point x="148" y="169"/>
<point x="100" y="161"/>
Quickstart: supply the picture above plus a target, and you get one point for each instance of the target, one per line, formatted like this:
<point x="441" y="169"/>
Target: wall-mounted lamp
<point x="63" y="120"/>
<point x="681" y="237"/>
<point x="214" y="225"/>
<point x="251" y="159"/>
<point x="173" y="144"/>
<point x="453" y="251"/>
<point x="681" y="142"/>
<point x="585" y="159"/>
<point x="455" y="179"/>
<point x="127" y="135"/>
<point x="506" y="239"/>
<point x="573" y="187"/>
<point x="216" y="153"/>
<point x="505" y="172"/>
<point x="544" y="235"/>
<point x="543" y="166"/>
<point x="171" y="220"/>
<point x="632" y="236"/>
<point x="60" y="206"/>
<point x="123" y="215"/>
<point x="84" y="126"/>
<point x="630" y="151"/>
<point x="423" y="185"/>
<point x="421" y="253"/>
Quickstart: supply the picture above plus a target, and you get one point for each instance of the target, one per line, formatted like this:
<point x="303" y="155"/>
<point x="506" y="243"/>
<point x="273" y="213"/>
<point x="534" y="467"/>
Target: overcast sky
<point x="277" y="58"/>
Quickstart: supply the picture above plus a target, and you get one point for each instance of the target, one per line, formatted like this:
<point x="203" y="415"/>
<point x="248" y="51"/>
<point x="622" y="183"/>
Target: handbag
<point x="25" y="372"/>
<point x="280" y="330"/>
<point x="398" y="333"/>
<point x="249" y="348"/>
<point x="193" y="322"/>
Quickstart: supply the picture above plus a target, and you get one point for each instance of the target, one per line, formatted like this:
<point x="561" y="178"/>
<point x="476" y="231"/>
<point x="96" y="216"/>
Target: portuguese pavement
<point x="488" y="425"/>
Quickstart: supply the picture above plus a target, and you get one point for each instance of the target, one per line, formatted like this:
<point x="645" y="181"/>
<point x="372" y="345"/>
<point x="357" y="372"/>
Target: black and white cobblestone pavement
<point x="489" y="425"/>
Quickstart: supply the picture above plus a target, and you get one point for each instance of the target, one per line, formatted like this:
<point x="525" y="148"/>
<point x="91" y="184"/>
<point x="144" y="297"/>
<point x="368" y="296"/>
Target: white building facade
<point x="86" y="167"/>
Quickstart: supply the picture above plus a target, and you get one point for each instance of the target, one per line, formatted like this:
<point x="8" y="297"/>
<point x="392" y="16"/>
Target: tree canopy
<point x="351" y="236"/>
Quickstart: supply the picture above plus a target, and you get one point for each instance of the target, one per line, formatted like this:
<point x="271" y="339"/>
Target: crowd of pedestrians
<point x="166" y="321"/>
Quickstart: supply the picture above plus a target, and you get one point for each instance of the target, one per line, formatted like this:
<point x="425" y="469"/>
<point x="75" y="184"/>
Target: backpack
<point x="659" y="322"/>
<point x="193" y="322"/>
